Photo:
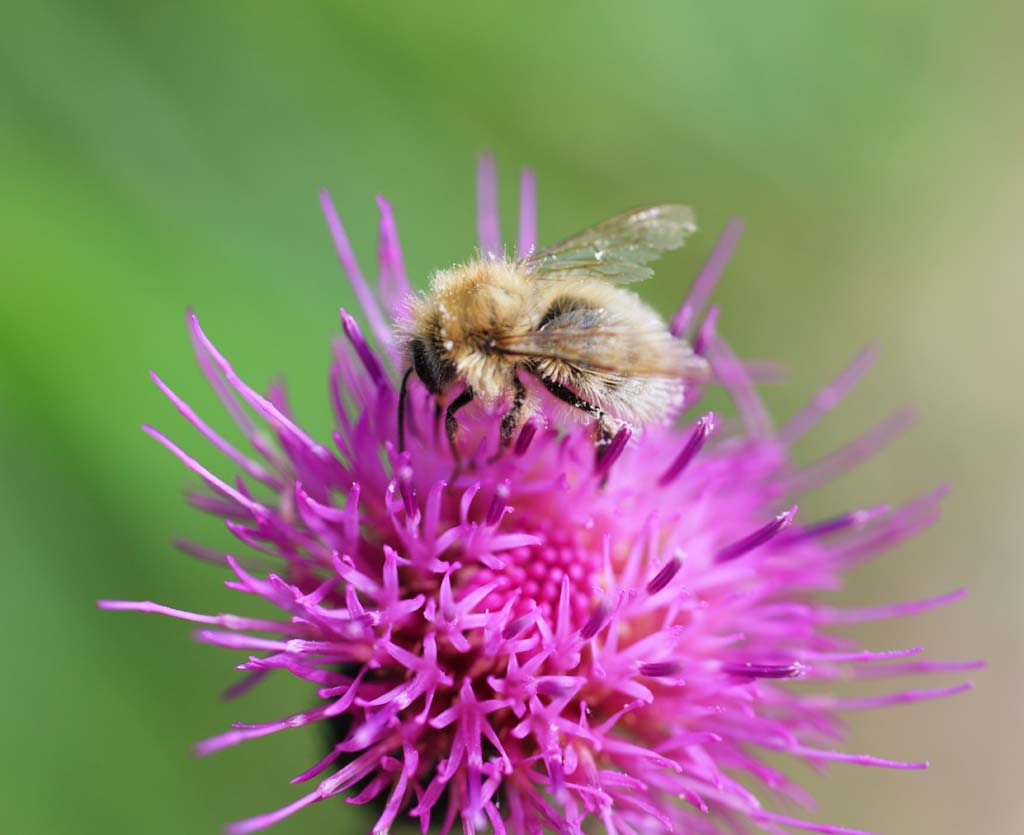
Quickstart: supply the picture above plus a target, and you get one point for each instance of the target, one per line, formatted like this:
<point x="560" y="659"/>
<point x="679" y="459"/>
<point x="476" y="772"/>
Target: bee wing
<point x="594" y="340"/>
<point x="618" y="249"/>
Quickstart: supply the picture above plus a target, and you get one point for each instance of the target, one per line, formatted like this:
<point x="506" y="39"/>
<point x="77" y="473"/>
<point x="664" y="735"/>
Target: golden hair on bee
<point x="559" y="317"/>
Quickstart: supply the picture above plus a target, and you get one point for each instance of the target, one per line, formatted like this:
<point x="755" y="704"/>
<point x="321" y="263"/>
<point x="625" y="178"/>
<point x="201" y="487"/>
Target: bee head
<point x="432" y="367"/>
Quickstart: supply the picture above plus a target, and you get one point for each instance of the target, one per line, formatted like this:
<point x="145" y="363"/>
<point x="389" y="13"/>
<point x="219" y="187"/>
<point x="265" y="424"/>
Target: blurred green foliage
<point x="159" y="156"/>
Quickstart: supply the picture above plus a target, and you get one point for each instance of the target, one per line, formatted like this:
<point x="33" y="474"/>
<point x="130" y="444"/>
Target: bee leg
<point x="402" y="393"/>
<point x="602" y="433"/>
<point x="451" y="426"/>
<point x="512" y="418"/>
<point x="567" y="395"/>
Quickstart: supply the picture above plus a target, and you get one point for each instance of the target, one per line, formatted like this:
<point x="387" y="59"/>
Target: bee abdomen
<point x="564" y="305"/>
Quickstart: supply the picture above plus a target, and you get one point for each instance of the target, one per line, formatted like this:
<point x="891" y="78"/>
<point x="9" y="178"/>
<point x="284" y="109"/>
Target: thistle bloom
<point x="545" y="643"/>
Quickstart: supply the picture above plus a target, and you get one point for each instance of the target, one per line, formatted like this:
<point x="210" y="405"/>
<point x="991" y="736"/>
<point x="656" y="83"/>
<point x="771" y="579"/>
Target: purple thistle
<point x="545" y="644"/>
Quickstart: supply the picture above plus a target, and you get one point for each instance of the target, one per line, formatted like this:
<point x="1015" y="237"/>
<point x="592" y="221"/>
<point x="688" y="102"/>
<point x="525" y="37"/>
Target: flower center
<point x="533" y="574"/>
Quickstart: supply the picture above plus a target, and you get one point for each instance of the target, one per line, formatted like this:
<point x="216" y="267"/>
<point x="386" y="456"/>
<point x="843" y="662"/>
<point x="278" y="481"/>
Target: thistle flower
<point x="546" y="643"/>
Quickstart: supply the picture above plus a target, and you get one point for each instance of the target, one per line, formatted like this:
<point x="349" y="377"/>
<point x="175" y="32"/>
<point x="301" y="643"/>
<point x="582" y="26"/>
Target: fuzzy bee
<point x="560" y="317"/>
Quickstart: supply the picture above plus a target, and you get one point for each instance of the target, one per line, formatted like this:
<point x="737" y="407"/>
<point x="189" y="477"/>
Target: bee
<point x="560" y="317"/>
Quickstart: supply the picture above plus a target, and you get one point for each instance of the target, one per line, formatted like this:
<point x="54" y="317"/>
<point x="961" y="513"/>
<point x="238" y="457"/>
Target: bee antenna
<point x="401" y="410"/>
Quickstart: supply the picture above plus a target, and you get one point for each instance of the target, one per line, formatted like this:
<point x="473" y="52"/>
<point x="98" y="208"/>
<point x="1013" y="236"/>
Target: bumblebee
<point x="559" y="316"/>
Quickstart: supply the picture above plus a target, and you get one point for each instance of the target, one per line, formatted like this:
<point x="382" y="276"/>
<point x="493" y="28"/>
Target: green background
<point x="159" y="157"/>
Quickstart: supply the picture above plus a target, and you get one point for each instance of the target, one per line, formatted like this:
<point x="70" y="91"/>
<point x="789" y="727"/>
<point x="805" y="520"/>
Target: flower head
<point x="544" y="643"/>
